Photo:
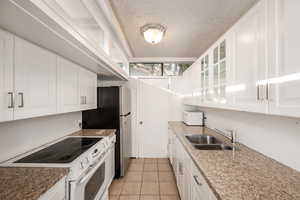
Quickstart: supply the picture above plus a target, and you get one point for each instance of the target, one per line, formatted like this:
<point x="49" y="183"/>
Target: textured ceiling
<point x="192" y="25"/>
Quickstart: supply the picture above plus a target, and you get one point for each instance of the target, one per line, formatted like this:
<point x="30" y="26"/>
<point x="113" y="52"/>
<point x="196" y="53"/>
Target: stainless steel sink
<point x="207" y="142"/>
<point x="212" y="147"/>
<point x="202" y="139"/>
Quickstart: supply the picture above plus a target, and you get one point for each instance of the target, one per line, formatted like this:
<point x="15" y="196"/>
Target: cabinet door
<point x="249" y="59"/>
<point x="92" y="91"/>
<point x="195" y="194"/>
<point x="175" y="158"/>
<point x="110" y="165"/>
<point x="284" y="71"/>
<point x="183" y="177"/>
<point x="186" y="176"/>
<point x="56" y="192"/>
<point x="88" y="89"/>
<point x="170" y="153"/>
<point x="69" y="99"/>
<point x="35" y="80"/>
<point x="6" y="76"/>
<point x="198" y="188"/>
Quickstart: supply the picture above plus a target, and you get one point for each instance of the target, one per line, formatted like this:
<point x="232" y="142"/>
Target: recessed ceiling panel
<point x="78" y="14"/>
<point x="192" y="25"/>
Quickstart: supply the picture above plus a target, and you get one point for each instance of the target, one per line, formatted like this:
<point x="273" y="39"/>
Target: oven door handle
<point x="83" y="179"/>
<point x="88" y="174"/>
<point x="92" y="170"/>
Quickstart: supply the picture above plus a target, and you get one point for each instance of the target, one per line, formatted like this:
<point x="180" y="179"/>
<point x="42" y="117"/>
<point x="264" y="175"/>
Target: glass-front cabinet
<point x="213" y="74"/>
<point x="205" y="80"/>
<point x="219" y="73"/>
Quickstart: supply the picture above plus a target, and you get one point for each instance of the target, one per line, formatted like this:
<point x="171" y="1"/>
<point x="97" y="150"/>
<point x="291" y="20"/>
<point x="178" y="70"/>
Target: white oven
<point x="89" y="159"/>
<point x="92" y="184"/>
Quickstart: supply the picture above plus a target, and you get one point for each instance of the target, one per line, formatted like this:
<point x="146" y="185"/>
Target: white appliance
<point x="88" y="159"/>
<point x="193" y="118"/>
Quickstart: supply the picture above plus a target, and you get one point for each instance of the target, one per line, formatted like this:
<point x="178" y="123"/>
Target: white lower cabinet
<point x="170" y="146"/>
<point x="110" y="165"/>
<point x="190" y="182"/>
<point x="199" y="187"/>
<point x="57" y="192"/>
<point x="183" y="176"/>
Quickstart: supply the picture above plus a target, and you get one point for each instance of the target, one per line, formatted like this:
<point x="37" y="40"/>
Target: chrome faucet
<point x="232" y="135"/>
<point x="232" y="138"/>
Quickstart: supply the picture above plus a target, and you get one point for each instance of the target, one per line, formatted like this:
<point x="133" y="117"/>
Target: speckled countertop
<point x="28" y="183"/>
<point x="248" y="175"/>
<point x="95" y="132"/>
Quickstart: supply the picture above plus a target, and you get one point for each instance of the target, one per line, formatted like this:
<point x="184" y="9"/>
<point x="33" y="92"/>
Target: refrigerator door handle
<point x="125" y="114"/>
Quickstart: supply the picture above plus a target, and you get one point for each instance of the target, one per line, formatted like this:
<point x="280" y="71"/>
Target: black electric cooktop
<point x="64" y="151"/>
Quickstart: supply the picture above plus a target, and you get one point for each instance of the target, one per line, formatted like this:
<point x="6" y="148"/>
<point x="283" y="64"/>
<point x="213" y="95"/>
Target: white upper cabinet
<point x="35" y="81"/>
<point x="220" y="71"/>
<point x="6" y="76"/>
<point x="284" y="69"/>
<point x="250" y="59"/>
<point x="259" y="72"/>
<point x="68" y="84"/>
<point x="77" y="87"/>
<point x="88" y="89"/>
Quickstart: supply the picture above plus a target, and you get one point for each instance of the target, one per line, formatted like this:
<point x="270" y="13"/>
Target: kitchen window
<point x="157" y="69"/>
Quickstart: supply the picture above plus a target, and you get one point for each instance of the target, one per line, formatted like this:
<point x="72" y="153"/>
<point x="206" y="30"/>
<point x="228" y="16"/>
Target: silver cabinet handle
<point x="267" y="91"/>
<point x="196" y="180"/>
<point x="11" y="100"/>
<point x="180" y="168"/>
<point x="258" y="87"/>
<point x="81" y="100"/>
<point x="257" y="92"/>
<point x="84" y="99"/>
<point x="22" y="99"/>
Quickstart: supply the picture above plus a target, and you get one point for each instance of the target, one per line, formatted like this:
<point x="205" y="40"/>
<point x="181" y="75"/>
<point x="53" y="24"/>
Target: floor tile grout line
<point x="157" y="182"/>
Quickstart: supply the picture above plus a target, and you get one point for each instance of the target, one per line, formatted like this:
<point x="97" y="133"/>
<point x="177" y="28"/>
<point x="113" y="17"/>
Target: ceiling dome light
<point x="153" y="33"/>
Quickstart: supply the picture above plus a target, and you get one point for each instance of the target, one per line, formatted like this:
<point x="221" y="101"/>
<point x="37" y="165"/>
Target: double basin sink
<point x="207" y="142"/>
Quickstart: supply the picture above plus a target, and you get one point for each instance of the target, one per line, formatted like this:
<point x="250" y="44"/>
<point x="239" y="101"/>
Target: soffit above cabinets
<point x="64" y="27"/>
<point x="192" y="25"/>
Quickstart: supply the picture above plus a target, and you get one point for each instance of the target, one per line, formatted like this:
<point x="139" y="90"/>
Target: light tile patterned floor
<point x="146" y="179"/>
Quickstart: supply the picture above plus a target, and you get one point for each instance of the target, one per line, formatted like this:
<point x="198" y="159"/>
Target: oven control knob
<point x="86" y="160"/>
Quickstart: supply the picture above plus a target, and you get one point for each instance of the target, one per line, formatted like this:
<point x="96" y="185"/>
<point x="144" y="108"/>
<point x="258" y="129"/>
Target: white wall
<point x="20" y="136"/>
<point x="175" y="100"/>
<point x="146" y="106"/>
<point x="276" y="137"/>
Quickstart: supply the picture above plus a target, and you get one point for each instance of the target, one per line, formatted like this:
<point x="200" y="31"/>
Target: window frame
<point x="162" y="65"/>
<point x="151" y="63"/>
